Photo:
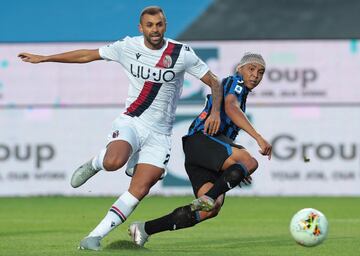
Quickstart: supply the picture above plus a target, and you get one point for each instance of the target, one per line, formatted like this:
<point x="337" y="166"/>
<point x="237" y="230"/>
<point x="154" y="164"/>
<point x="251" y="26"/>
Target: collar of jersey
<point x="150" y="50"/>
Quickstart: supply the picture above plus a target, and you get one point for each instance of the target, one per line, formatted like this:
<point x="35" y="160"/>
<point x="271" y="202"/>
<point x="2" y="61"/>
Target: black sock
<point x="230" y="178"/>
<point x="181" y="217"/>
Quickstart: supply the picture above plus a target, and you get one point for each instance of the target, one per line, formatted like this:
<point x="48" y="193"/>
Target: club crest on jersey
<point x="167" y="61"/>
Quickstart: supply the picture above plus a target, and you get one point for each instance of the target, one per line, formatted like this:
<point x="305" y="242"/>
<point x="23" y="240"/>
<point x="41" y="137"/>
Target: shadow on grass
<point x="122" y="244"/>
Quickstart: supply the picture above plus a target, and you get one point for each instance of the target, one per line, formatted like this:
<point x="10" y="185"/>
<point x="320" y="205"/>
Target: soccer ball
<point x="309" y="227"/>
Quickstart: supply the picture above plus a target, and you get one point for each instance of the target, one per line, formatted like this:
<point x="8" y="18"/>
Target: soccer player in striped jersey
<point x="215" y="164"/>
<point x="155" y="66"/>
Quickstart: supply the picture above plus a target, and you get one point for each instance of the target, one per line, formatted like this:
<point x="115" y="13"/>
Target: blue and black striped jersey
<point x="231" y="85"/>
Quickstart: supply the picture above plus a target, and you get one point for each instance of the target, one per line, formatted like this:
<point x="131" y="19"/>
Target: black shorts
<point x="204" y="157"/>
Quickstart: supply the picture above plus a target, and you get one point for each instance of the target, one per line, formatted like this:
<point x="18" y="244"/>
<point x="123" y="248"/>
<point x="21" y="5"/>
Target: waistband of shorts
<point x="167" y="131"/>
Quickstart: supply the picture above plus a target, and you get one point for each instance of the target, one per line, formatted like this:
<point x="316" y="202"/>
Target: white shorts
<point x="148" y="146"/>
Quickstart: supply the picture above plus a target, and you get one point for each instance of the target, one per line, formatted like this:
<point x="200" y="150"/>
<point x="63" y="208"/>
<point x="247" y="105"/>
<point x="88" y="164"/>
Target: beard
<point x="155" y="44"/>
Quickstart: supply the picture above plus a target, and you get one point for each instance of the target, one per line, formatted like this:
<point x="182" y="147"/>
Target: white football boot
<point x="82" y="174"/>
<point x="90" y="243"/>
<point x="138" y="234"/>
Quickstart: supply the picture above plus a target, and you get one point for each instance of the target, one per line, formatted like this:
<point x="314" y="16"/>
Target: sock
<point x="230" y="178"/>
<point x="118" y="213"/>
<point x="98" y="160"/>
<point x="181" y="217"/>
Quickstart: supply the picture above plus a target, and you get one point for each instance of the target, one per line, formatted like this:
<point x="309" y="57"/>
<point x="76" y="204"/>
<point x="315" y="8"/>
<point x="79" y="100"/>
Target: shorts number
<point x="167" y="158"/>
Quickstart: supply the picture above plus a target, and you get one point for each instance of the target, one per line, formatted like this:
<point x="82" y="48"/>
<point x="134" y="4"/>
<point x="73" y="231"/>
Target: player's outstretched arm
<point x="77" y="56"/>
<point x="212" y="123"/>
<point x="239" y="118"/>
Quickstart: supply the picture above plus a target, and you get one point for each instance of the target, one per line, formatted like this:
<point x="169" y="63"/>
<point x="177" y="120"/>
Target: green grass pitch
<point x="245" y="226"/>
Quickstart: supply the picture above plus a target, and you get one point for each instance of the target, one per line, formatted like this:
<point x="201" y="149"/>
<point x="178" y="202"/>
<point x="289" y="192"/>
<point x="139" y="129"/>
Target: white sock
<point x="118" y="213"/>
<point x="98" y="160"/>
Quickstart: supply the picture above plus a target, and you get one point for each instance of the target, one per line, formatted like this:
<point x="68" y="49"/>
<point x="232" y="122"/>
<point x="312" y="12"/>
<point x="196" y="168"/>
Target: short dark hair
<point x="152" y="10"/>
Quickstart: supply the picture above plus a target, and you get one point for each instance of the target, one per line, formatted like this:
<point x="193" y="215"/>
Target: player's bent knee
<point x="112" y="164"/>
<point x="250" y="163"/>
<point x="253" y="165"/>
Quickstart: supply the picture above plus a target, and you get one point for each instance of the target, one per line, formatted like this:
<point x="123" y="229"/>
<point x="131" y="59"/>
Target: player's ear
<point x="140" y="29"/>
<point x="238" y="69"/>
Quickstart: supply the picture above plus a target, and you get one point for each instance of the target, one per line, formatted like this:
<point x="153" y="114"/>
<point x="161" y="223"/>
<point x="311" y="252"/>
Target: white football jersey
<point x="156" y="78"/>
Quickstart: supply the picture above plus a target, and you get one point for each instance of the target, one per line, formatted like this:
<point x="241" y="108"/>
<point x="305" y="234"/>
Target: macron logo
<point x="138" y="56"/>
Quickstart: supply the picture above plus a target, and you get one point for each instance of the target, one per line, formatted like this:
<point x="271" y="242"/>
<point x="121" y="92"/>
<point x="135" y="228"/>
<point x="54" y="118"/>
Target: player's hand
<point x="212" y="123"/>
<point x="265" y="147"/>
<point x="32" y="58"/>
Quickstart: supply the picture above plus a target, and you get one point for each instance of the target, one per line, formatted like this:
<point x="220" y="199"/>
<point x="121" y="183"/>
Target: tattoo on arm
<point x="216" y="91"/>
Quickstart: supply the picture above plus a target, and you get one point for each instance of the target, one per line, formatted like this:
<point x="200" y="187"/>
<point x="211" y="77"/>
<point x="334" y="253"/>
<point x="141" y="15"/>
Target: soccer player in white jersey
<point x="141" y="135"/>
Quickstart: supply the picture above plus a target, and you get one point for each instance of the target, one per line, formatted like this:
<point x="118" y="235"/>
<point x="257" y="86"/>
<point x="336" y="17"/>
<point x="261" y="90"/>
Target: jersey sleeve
<point x="112" y="52"/>
<point x="193" y="64"/>
<point x="232" y="85"/>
